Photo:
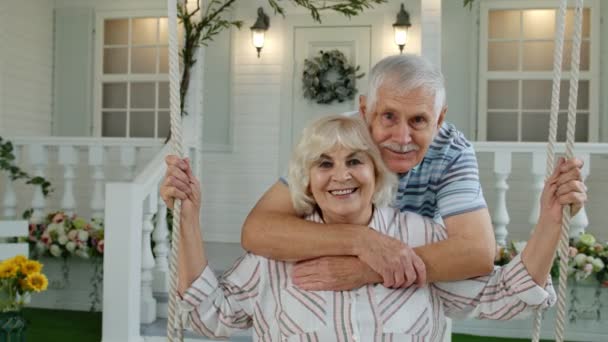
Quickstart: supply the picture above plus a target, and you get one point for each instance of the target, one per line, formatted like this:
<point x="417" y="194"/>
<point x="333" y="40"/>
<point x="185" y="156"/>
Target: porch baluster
<point x="579" y="223"/>
<point x="539" y="168"/>
<point x="500" y="218"/>
<point x="38" y="159"/>
<point x="148" y="303"/>
<point x="68" y="157"/>
<point x="127" y="160"/>
<point x="96" y="156"/>
<point x="161" y="251"/>
<point x="9" y="201"/>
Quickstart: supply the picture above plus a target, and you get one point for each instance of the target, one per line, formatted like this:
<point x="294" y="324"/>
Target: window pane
<point x="570" y="23"/>
<point x="582" y="101"/>
<point x="143" y="60"/>
<point x="114" y="95"/>
<point x="584" y="56"/>
<point x="536" y="94"/>
<point x="163" y="94"/>
<point x="502" y="127"/>
<point x="163" y="66"/>
<point x="144" y="31"/>
<point x="503" y="94"/>
<point x="503" y="56"/>
<point x="539" y="24"/>
<point x="581" y="132"/>
<point x="142" y="95"/>
<point x="115" y="60"/>
<point x="538" y="56"/>
<point x="504" y="24"/>
<point x="164" y="126"/>
<point x="142" y="125"/>
<point x="534" y="126"/>
<point x="116" y="31"/>
<point x="114" y="124"/>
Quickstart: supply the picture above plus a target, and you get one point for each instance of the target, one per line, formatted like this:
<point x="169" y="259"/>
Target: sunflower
<point x="31" y="266"/>
<point x="18" y="260"/>
<point x="36" y="282"/>
<point x="8" y="269"/>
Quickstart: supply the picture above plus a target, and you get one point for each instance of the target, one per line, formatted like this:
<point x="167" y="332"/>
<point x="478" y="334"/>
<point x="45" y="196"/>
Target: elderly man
<point x="438" y="177"/>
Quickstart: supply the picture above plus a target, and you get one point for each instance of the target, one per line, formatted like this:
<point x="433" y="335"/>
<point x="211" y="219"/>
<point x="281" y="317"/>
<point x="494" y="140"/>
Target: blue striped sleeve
<point x="459" y="190"/>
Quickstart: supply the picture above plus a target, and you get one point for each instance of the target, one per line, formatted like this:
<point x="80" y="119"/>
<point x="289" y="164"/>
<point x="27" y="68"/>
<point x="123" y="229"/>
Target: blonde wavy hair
<point x="324" y="135"/>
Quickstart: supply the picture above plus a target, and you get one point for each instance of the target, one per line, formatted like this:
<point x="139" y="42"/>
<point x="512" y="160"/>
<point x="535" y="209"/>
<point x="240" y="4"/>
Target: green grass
<point x="75" y="326"/>
<point x="62" y="326"/>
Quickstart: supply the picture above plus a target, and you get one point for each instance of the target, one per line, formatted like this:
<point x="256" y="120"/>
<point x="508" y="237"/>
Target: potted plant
<point x="19" y="277"/>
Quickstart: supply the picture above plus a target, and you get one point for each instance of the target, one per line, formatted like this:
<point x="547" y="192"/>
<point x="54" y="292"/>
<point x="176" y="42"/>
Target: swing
<point x="174" y="324"/>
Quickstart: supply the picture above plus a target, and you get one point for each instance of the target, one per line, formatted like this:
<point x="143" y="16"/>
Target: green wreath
<point x="323" y="89"/>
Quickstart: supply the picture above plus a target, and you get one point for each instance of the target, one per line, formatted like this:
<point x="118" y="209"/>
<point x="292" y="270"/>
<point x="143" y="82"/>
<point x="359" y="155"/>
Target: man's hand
<point x="334" y="273"/>
<point x="395" y="261"/>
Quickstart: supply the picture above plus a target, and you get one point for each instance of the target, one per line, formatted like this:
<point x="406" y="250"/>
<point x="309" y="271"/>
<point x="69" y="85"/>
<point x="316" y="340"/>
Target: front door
<point x="353" y="42"/>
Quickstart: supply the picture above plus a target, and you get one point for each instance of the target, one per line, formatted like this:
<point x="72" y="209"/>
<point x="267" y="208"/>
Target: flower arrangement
<point x="586" y="256"/>
<point x="61" y="235"/>
<point x="19" y="277"/>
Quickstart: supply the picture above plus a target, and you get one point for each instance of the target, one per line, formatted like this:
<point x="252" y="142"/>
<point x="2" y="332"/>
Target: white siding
<point x="26" y="68"/>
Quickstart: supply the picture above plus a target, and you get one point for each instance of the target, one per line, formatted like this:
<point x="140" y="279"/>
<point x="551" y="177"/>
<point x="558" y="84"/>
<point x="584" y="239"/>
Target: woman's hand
<point x="564" y="187"/>
<point x="180" y="183"/>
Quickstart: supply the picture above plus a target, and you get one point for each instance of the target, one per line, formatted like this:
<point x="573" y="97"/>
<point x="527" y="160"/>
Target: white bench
<point x="12" y="229"/>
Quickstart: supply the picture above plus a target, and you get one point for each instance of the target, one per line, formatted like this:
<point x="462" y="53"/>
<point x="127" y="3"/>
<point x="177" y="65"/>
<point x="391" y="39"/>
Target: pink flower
<point x="58" y="218"/>
<point x="588" y="268"/>
<point x="572" y="252"/>
<point x="46" y="238"/>
<point x="100" y="246"/>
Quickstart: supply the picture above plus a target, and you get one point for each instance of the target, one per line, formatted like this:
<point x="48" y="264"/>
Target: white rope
<point x="570" y="131"/>
<point x="174" y="325"/>
<point x="557" y="76"/>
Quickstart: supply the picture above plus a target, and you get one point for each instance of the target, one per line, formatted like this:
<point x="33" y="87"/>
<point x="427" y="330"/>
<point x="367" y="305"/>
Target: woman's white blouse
<point x="258" y="292"/>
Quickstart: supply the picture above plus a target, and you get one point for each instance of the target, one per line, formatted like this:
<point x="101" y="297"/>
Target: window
<point x="134" y="100"/>
<point x="516" y="70"/>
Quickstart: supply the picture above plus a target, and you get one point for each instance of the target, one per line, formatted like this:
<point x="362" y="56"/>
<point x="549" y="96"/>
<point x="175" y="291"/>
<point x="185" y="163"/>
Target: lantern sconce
<point x="259" y="29"/>
<point x="400" y="28"/>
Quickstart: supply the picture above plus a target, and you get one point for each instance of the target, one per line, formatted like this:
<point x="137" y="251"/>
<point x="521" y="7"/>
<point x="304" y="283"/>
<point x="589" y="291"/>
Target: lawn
<point x="62" y="326"/>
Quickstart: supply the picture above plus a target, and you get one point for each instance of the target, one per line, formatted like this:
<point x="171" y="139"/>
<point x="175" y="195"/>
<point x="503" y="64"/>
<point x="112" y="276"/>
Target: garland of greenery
<point x="7" y="164"/>
<point x="316" y="81"/>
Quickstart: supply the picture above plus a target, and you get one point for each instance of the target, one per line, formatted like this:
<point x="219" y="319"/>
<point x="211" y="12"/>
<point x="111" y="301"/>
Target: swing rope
<point x="570" y="132"/>
<point x="174" y="324"/>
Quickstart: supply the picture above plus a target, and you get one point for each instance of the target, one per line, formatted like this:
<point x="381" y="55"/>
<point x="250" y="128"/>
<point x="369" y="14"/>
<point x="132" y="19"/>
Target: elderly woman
<point x="336" y="175"/>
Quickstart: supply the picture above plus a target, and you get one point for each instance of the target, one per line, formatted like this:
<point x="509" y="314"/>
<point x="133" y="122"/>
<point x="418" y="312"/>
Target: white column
<point x="9" y="200"/>
<point x="122" y="264"/>
<point x="160" y="284"/>
<point x="68" y="157"/>
<point x="539" y="170"/>
<point x="96" y="156"/>
<point x="38" y="160"/>
<point x="148" y="303"/>
<point x="127" y="161"/>
<point x="500" y="218"/>
<point x="579" y="223"/>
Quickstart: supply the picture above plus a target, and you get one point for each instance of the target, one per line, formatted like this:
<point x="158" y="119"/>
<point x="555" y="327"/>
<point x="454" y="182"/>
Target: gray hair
<point x="323" y="135"/>
<point x="407" y="72"/>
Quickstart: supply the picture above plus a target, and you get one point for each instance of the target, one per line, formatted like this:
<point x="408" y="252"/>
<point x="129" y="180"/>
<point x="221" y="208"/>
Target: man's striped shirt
<point x="446" y="182"/>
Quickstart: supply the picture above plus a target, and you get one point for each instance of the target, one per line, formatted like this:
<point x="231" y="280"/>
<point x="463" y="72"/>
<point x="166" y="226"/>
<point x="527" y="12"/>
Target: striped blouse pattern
<point x="258" y="293"/>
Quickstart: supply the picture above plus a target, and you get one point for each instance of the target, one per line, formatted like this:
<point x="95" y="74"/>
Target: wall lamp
<point x="259" y="29"/>
<point x="400" y="28"/>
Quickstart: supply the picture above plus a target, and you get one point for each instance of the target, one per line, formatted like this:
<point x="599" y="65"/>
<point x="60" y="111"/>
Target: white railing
<point x="135" y="274"/>
<point x="78" y="169"/>
<point x="531" y="156"/>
